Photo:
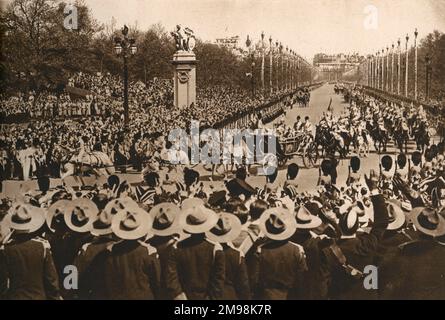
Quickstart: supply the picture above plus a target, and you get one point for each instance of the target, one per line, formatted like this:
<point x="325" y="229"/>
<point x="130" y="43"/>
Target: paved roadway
<point x="307" y="178"/>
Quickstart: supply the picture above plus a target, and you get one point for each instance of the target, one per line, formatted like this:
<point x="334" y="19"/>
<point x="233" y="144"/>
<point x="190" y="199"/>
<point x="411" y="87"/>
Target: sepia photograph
<point x="230" y="150"/>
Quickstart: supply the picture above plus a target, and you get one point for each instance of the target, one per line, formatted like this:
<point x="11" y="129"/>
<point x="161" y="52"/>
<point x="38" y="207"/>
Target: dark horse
<point x="379" y="136"/>
<point x="328" y="143"/>
<point x="401" y="137"/>
<point x="421" y="136"/>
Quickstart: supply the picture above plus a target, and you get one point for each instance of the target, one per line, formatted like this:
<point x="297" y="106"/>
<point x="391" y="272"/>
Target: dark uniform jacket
<point x="131" y="271"/>
<point x="278" y="270"/>
<point x="416" y="273"/>
<point x="196" y="267"/>
<point x="359" y="251"/>
<point x="164" y="247"/>
<point x="91" y="283"/>
<point x="27" y="270"/>
<point x="236" y="285"/>
<point x="393" y="242"/>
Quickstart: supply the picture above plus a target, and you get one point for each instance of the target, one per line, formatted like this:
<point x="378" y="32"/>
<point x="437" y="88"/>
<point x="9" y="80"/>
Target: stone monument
<point x="184" y="61"/>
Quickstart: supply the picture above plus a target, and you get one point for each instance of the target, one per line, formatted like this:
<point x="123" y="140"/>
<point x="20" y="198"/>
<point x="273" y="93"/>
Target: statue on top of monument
<point x="184" y="38"/>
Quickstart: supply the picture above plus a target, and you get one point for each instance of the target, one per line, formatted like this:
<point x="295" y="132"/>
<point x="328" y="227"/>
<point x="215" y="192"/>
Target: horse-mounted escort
<point x="303" y="97"/>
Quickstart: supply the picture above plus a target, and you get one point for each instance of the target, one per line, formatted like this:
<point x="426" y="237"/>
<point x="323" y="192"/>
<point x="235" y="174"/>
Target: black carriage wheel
<point x="310" y="156"/>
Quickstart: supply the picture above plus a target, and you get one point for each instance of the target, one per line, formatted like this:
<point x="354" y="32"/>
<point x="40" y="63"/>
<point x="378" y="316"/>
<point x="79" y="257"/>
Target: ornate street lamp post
<point x="125" y="47"/>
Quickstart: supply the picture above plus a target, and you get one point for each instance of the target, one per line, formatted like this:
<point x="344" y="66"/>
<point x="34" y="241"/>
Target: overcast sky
<point x="307" y="26"/>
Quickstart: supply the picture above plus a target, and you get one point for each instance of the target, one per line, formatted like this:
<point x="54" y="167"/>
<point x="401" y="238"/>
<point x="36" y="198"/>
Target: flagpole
<point x="392" y="68"/>
<point x="398" y="67"/>
<point x="277" y="68"/>
<point x="262" y="60"/>
<point x="406" y="65"/>
<point x="383" y="69"/>
<point x="387" y="69"/>
<point x="377" y="72"/>
<point x="282" y="66"/>
<point x="415" y="64"/>
<point x="270" y="64"/>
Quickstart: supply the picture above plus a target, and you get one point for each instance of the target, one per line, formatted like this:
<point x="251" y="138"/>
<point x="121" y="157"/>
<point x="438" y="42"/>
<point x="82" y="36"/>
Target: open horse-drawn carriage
<point x="302" y="145"/>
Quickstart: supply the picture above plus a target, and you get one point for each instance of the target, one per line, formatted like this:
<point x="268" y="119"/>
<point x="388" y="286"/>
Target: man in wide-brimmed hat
<point x="130" y="267"/>
<point x="227" y="229"/>
<point x="280" y="263"/>
<point x="90" y="277"/>
<point x="418" y="270"/>
<point x="196" y="268"/>
<point x="166" y="233"/>
<point x="21" y="252"/>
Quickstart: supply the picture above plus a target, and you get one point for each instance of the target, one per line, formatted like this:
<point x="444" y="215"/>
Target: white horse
<point x="96" y="162"/>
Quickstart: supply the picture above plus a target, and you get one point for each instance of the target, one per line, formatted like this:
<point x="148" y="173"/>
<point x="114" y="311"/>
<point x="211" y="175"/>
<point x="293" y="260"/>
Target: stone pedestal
<point x="184" y="78"/>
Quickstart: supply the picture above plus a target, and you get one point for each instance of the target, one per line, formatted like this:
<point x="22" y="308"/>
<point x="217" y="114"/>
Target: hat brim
<point x="314" y="223"/>
<point x="211" y="221"/>
<point x="35" y="223"/>
<point x="89" y="207"/>
<point x="100" y="231"/>
<point x="439" y="231"/>
<point x="143" y="230"/>
<point x="399" y="219"/>
<point x="173" y="228"/>
<point x="61" y="204"/>
<point x="234" y="232"/>
<point x="289" y="222"/>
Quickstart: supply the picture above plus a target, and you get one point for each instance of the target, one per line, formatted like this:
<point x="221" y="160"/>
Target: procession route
<point x="307" y="178"/>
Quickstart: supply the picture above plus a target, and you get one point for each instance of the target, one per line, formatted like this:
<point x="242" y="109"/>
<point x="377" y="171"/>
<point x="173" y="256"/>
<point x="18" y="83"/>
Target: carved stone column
<point x="184" y="78"/>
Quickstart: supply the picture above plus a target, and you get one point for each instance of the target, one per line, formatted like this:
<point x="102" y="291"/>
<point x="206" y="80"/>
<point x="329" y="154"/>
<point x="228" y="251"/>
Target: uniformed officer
<point x="167" y="233"/>
<point x="227" y="229"/>
<point x="280" y="264"/>
<point x="418" y="271"/>
<point x="196" y="267"/>
<point x="27" y="268"/>
<point x="131" y="269"/>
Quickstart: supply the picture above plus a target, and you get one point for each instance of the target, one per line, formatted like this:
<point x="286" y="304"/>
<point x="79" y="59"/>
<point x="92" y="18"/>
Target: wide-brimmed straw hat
<point x="305" y="219"/>
<point x="56" y="210"/>
<point x="227" y="229"/>
<point x="80" y="215"/>
<point x="197" y="218"/>
<point x="132" y="224"/>
<point x="25" y="218"/>
<point x="165" y="219"/>
<point x="277" y="223"/>
<point x="428" y="221"/>
<point x="396" y="215"/>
